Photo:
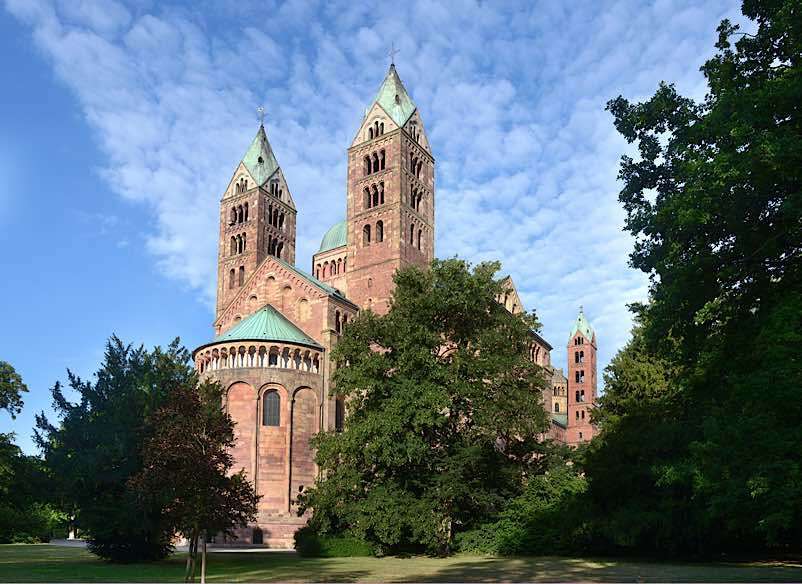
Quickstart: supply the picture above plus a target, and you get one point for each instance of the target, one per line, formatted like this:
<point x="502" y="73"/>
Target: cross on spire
<point x="260" y="112"/>
<point x="393" y="52"/>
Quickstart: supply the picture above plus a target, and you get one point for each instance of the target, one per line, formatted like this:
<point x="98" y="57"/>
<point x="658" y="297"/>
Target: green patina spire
<point x="259" y="159"/>
<point x="394" y="99"/>
<point x="582" y="326"/>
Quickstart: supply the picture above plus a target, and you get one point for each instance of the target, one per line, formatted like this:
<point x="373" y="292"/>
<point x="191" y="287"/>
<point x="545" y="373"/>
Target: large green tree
<point x="187" y="464"/>
<point x="444" y="412"/>
<point x="714" y="201"/>
<point x="97" y="446"/>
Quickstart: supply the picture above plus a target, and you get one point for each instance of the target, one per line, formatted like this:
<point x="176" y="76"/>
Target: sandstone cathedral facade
<point x="275" y="324"/>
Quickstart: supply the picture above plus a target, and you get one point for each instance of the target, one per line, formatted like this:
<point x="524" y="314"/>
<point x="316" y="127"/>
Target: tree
<point x="187" y="464"/>
<point x="97" y="447"/>
<point x="444" y="412"/>
<point x="714" y="203"/>
<point x="11" y="389"/>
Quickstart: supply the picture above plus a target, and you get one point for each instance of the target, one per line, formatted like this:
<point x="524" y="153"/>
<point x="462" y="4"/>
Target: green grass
<point x="39" y="563"/>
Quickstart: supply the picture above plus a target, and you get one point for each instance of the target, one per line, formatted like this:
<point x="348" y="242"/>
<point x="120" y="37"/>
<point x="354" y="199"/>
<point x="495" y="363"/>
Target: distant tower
<point x="257" y="218"/>
<point x="390" y="216"/>
<point x="581" y="380"/>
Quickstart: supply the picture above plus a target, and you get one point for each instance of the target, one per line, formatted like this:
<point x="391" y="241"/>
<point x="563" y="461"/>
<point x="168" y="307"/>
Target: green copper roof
<point x="335" y="237"/>
<point x="267" y="324"/>
<point x="332" y="291"/>
<point x="560" y="419"/>
<point x="394" y="99"/>
<point x="259" y="159"/>
<point x="582" y="326"/>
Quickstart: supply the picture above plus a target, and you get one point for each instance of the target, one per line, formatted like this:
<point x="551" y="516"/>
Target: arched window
<point x="370" y="133"/>
<point x="233" y="245"/>
<point x="271" y="408"/>
<point x="581" y="395"/>
<point x="576" y="356"/>
<point x="375" y="196"/>
<point x="244" y="241"/>
<point x="337" y="322"/>
<point x="366" y="169"/>
<point x="232" y="278"/>
<point x="381" y="193"/>
<point x="576" y="377"/>
<point x="581" y="377"/>
<point x="376" y="128"/>
<point x="581" y="356"/>
<point x="375" y="162"/>
<point x="339" y="414"/>
<point x="411" y="235"/>
<point x="381" y="128"/>
<point x="420" y="233"/>
<point x="420" y="167"/>
<point x="241" y="275"/>
<point x="367" y="198"/>
<point x="583" y="414"/>
<point x="556" y="407"/>
<point x="246" y="211"/>
<point x="366" y="235"/>
<point x="382" y="160"/>
<point x="233" y="216"/>
<point x="577" y="415"/>
<point x="281" y="221"/>
<point x="379" y="231"/>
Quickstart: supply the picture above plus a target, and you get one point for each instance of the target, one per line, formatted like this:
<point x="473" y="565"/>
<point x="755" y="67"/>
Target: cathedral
<point x="276" y="324"/>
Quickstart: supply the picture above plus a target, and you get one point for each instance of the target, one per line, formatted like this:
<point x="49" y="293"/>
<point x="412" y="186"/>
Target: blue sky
<point x="121" y="123"/>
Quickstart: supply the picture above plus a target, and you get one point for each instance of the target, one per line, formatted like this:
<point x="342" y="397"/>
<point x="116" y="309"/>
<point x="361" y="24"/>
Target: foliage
<point x="700" y="453"/>
<point x="97" y="447"/>
<point x="311" y="544"/>
<point x="11" y="389"/>
<point x="548" y="517"/>
<point x="444" y="413"/>
<point x="187" y="464"/>
<point x="26" y="514"/>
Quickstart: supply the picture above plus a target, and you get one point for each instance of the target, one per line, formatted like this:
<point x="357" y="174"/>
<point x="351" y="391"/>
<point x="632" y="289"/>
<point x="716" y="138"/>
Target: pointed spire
<point x="394" y="99"/>
<point x="259" y="159"/>
<point x="582" y="326"/>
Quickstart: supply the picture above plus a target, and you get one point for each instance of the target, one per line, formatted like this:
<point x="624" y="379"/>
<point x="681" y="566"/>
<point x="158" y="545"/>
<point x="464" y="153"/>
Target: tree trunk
<point x="203" y="560"/>
<point x="189" y="556"/>
<point x="194" y="554"/>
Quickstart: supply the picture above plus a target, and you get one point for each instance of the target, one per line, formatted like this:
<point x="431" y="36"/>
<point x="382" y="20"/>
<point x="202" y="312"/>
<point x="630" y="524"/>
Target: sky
<point x="121" y="124"/>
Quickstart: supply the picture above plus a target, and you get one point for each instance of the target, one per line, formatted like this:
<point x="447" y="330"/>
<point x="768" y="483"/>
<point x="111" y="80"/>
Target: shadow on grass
<point x="42" y="563"/>
<point x="561" y="569"/>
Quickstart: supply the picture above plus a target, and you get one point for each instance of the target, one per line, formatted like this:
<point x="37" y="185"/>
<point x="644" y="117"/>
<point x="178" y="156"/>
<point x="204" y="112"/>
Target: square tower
<point x="390" y="215"/>
<point x="257" y="219"/>
<point x="581" y="381"/>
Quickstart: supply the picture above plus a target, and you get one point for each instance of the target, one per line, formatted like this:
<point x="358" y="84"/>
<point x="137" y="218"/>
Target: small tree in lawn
<point x="187" y="469"/>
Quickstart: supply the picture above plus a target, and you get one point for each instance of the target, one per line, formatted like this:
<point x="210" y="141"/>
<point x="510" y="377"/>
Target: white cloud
<point x="513" y="98"/>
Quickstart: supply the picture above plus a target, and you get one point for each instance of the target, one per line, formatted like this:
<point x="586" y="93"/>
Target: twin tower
<point x="390" y="208"/>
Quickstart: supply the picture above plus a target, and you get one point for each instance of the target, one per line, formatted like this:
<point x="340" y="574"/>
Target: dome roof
<point x="267" y="324"/>
<point x="337" y="236"/>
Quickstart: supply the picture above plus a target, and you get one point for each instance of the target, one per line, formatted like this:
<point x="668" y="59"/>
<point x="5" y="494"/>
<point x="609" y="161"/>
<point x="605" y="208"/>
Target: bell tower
<point x="257" y="219"/>
<point x="581" y="380"/>
<point x="390" y="215"/>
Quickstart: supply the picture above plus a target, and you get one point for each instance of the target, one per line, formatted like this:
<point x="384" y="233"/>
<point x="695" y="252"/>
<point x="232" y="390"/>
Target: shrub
<point x="546" y="518"/>
<point x="310" y="543"/>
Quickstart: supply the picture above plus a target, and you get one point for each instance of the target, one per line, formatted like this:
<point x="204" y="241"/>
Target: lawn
<point x="40" y="563"/>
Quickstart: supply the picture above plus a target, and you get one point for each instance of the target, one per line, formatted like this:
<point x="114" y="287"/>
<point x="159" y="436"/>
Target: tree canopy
<point x="444" y="412"/>
<point x="11" y="389"/>
<point x="702" y="422"/>
<point x="97" y="447"/>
